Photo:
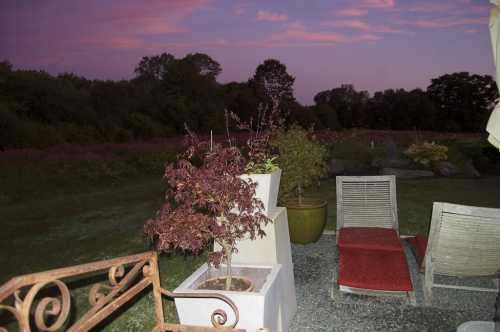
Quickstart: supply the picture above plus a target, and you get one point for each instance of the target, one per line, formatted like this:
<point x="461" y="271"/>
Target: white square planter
<point x="274" y="248"/>
<point x="267" y="189"/>
<point x="257" y="309"/>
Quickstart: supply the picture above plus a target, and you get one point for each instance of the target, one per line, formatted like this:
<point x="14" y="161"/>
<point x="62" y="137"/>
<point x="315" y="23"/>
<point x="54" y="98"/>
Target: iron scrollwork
<point x="49" y="311"/>
<point x="56" y="307"/>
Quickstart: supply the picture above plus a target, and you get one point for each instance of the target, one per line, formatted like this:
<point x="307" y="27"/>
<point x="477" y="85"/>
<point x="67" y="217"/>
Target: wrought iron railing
<point x="23" y="298"/>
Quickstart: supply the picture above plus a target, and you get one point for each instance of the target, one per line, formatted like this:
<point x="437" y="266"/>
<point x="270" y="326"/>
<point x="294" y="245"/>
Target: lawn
<point x="415" y="198"/>
<point x="84" y="224"/>
<point x="48" y="224"/>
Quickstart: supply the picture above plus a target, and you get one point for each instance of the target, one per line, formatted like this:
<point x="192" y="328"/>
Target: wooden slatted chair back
<point x="367" y="201"/>
<point x="464" y="240"/>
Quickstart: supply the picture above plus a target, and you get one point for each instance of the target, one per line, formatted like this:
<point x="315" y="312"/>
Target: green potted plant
<point x="303" y="161"/>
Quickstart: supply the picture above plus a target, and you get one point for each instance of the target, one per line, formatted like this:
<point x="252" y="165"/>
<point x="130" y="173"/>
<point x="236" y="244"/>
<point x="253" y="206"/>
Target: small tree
<point x="302" y="160"/>
<point x="207" y="200"/>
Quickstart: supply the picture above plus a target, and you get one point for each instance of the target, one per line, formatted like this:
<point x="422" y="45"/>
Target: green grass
<point x="415" y="198"/>
<point x="86" y="222"/>
<point x="52" y="218"/>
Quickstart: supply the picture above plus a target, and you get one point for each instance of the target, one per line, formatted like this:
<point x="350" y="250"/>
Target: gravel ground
<point x="322" y="308"/>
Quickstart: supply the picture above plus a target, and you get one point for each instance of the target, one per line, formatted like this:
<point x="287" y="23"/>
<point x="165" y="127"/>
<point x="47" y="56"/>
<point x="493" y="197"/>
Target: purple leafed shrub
<point x="207" y="200"/>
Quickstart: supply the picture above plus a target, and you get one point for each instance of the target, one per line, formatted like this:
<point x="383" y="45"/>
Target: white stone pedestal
<point x="257" y="309"/>
<point x="274" y="248"/>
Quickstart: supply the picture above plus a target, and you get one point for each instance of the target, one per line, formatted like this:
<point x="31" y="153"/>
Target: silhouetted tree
<point x="241" y="99"/>
<point x="327" y="116"/>
<point x="193" y="95"/>
<point x="306" y="117"/>
<point x="350" y="105"/>
<point x="154" y="67"/>
<point x="272" y="82"/>
<point x="38" y="109"/>
<point x="463" y="101"/>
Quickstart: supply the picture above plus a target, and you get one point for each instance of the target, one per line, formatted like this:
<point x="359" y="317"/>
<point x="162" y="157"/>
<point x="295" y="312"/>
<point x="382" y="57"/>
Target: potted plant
<point x="262" y="168"/>
<point x="207" y="200"/>
<point x="303" y="161"/>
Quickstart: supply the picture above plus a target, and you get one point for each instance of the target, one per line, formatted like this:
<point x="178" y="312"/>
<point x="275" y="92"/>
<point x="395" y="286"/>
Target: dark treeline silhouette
<point x="38" y="109"/>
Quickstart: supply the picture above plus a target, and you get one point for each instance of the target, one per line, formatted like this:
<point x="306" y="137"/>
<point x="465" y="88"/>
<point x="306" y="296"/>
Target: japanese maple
<point x="207" y="200"/>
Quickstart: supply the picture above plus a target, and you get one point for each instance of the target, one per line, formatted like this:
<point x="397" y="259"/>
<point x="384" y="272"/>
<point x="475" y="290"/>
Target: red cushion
<point x="370" y="238"/>
<point x="419" y="246"/>
<point x="374" y="269"/>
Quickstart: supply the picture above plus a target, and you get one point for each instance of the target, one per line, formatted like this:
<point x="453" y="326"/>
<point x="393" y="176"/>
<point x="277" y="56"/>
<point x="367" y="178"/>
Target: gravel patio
<point x="322" y="308"/>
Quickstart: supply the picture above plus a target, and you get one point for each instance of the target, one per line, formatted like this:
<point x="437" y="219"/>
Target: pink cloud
<point x="240" y="7"/>
<point x="378" y="3"/>
<point x="264" y="15"/>
<point x="471" y="31"/>
<point x="110" y="41"/>
<point x="238" y="10"/>
<point x="330" y="37"/>
<point x="360" y="25"/>
<point x="157" y="17"/>
<point x="352" y="12"/>
<point x="296" y="32"/>
<point x="441" y="23"/>
<point x="123" y="43"/>
<point x="460" y="7"/>
<point x="124" y="27"/>
<point x="353" y="24"/>
<point x="153" y="25"/>
<point x="366" y="37"/>
<point x="430" y="7"/>
<point x="162" y="45"/>
<point x="219" y="42"/>
<point x="362" y="7"/>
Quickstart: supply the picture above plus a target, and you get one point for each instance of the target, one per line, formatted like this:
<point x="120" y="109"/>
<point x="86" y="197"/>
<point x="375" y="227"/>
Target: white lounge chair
<point x="371" y="258"/>
<point x="367" y="201"/>
<point x="464" y="241"/>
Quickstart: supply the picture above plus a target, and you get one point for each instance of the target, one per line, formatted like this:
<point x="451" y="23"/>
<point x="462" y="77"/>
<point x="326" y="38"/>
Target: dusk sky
<point x="373" y="44"/>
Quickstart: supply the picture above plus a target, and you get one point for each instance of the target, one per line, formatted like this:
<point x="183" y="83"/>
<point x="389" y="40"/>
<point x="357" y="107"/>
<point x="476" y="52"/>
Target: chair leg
<point x="427" y="295"/>
<point x="412" y="298"/>
<point x="428" y="281"/>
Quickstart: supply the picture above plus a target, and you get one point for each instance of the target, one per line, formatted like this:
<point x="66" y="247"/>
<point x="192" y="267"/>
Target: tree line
<point x="38" y="109"/>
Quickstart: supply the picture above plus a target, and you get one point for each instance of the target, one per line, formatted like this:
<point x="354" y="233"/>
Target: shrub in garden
<point x="302" y="160"/>
<point x="427" y="153"/>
